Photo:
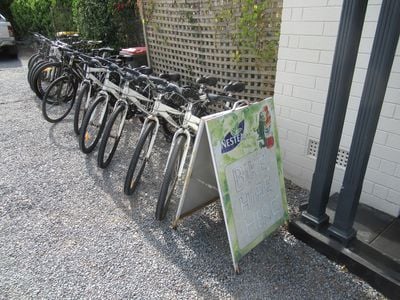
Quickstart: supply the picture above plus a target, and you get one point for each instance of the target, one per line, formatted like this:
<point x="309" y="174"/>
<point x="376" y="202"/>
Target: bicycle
<point x="59" y="97"/>
<point x="97" y="113"/>
<point x="177" y="156"/>
<point x="93" y="83"/>
<point x="136" y="101"/>
<point x="95" y="73"/>
<point x="151" y="125"/>
<point x="162" y="111"/>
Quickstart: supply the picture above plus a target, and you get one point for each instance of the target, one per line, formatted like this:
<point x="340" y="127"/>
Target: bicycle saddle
<point x="209" y="80"/>
<point x="157" y="81"/>
<point x="132" y="72"/>
<point x="93" y="63"/>
<point x="235" y="87"/>
<point x="171" y="87"/>
<point x="170" y="76"/>
<point x="144" y="70"/>
<point x="113" y="67"/>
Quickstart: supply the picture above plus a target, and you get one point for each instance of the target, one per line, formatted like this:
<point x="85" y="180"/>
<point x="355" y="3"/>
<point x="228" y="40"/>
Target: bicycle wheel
<point x="44" y="76"/>
<point x="110" y="139"/>
<point x="170" y="178"/>
<point x="32" y="71"/>
<point x="139" y="160"/>
<point x="59" y="99"/>
<point x="33" y="59"/>
<point x="93" y="124"/>
<point x="80" y="107"/>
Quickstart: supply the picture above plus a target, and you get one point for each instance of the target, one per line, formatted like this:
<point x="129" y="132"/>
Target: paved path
<point x="67" y="230"/>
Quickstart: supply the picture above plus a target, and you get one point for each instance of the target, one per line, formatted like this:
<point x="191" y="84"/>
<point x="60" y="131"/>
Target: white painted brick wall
<point x="307" y="43"/>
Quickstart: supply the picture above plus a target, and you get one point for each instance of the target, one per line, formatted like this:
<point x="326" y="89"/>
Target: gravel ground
<point x="68" y="231"/>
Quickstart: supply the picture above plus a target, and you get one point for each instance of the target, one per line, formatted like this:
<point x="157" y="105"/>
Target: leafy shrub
<point x="42" y="16"/>
<point x="91" y="19"/>
<point x="61" y="16"/>
<point x="116" y="22"/>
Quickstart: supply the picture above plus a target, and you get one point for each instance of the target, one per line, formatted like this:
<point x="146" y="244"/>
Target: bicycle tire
<point x="32" y="71"/>
<point x="40" y="77"/>
<point x="54" y="98"/>
<point x="81" y="99"/>
<point x="132" y="179"/>
<point x="87" y="121"/>
<point x="40" y="60"/>
<point x="102" y="160"/>
<point x="170" y="178"/>
<point x="32" y="60"/>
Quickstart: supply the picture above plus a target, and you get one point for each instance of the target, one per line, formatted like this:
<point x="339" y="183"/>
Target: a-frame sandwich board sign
<point x="236" y="158"/>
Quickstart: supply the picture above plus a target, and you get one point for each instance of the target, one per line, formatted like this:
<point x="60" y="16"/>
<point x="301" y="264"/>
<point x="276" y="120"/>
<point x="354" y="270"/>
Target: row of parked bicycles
<point x="104" y="91"/>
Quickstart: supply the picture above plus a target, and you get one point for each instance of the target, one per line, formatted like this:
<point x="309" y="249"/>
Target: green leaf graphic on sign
<point x="252" y="170"/>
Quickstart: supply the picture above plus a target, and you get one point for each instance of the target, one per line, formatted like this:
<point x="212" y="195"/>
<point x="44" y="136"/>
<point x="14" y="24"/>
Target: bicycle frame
<point x="109" y="88"/>
<point x="132" y="96"/>
<point x="190" y="122"/>
<point x="91" y="80"/>
<point x="163" y="111"/>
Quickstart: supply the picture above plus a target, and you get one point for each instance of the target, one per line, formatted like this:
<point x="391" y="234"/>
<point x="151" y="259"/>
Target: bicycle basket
<point x="115" y="78"/>
<point x="200" y="110"/>
<point x="174" y="100"/>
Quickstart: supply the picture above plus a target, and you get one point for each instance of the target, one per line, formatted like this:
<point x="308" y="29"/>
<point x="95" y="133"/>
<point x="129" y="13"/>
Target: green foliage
<point x="42" y="16"/>
<point x="116" y="22"/>
<point x="252" y="25"/>
<point x="61" y="15"/>
<point x="92" y="19"/>
<point x="249" y="24"/>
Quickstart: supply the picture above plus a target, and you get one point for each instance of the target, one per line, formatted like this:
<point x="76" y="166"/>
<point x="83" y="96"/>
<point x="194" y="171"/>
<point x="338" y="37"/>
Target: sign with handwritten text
<point x="236" y="159"/>
<point x="246" y="156"/>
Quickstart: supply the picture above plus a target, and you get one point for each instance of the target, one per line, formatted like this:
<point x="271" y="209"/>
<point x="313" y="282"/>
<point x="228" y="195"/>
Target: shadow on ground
<point x="7" y="62"/>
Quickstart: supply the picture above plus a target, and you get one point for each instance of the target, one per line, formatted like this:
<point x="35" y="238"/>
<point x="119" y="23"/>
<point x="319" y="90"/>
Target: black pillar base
<point x="344" y="61"/>
<point x="376" y="81"/>
<point x="314" y="222"/>
<point x="344" y="236"/>
<point x="361" y="259"/>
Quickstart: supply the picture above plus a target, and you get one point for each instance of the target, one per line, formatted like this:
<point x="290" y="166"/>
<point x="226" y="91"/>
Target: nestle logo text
<point x="232" y="139"/>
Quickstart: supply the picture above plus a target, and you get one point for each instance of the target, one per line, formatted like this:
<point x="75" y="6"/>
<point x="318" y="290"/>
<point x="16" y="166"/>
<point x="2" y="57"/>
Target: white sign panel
<point x="245" y="172"/>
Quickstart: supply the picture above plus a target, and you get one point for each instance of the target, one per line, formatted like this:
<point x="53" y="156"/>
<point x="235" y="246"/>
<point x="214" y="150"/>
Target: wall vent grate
<point x="341" y="159"/>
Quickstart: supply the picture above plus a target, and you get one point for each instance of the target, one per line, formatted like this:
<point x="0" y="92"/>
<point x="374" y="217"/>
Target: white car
<point x="7" y="39"/>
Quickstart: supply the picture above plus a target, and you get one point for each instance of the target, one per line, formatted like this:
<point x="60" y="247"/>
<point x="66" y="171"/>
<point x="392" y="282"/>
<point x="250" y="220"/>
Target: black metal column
<point x="380" y="64"/>
<point x="348" y="40"/>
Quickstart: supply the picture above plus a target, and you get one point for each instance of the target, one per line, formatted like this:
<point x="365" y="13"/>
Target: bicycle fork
<point x="123" y="118"/>
<point x="103" y="113"/>
<point x="185" y="132"/>
<point x="153" y="138"/>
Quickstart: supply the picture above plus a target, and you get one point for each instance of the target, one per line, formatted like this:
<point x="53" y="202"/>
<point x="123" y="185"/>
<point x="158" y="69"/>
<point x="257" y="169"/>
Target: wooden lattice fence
<point x="208" y="37"/>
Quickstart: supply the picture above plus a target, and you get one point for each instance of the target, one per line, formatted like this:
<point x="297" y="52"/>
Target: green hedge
<point x="117" y="22"/>
<point x="42" y="16"/>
